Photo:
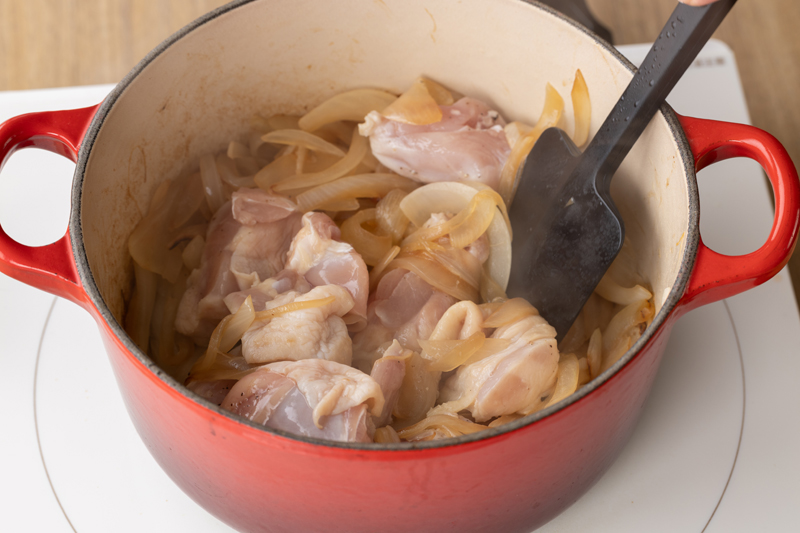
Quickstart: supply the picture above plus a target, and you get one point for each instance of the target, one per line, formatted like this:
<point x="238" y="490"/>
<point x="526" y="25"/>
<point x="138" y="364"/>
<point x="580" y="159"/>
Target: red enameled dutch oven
<point x="196" y="91"/>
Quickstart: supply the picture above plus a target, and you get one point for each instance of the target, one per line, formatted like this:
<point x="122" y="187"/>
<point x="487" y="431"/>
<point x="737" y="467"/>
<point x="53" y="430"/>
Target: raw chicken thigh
<point x="313" y="398"/>
<point x="510" y="381"/>
<point x="467" y="144"/>
<point x="404" y="307"/>
<point x="313" y="332"/>
<point x="246" y="242"/>
<point x="318" y="254"/>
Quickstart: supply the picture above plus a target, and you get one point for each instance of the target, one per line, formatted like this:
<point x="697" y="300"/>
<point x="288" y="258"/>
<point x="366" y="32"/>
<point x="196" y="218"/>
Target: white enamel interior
<point x="285" y="56"/>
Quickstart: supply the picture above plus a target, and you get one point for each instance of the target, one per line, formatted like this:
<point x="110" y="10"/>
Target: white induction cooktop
<point x="715" y="450"/>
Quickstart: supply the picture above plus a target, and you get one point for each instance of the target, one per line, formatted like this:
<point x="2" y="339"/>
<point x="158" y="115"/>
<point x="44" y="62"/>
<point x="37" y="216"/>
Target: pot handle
<point x="717" y="276"/>
<point x="52" y="267"/>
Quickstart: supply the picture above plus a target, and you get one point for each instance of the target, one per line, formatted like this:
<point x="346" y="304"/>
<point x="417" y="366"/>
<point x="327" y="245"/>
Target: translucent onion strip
<point x="624" y="329"/>
<point x="447" y="355"/>
<point x="193" y="252"/>
<point x="464" y="228"/>
<point x="230" y="174"/>
<point x="594" y="355"/>
<point x="438" y="92"/>
<point x="390" y="217"/>
<point x="150" y="245"/>
<point x="551" y="114"/>
<point x="186" y="195"/>
<point x="303" y="139"/>
<point x="212" y="183"/>
<point x="505" y="419"/>
<point x="227" y="333"/>
<point x="613" y="292"/>
<point x="240" y="322"/>
<point x="567" y="383"/>
<point x="358" y="149"/>
<point x="415" y="106"/>
<point x="281" y="168"/>
<point x="513" y="310"/>
<point x="457" y="425"/>
<point x="386" y="435"/>
<point x="237" y="150"/>
<point x="351" y="204"/>
<point x="439" y="277"/>
<point x="372" y="247"/>
<point x="377" y="271"/>
<point x="582" y="108"/>
<point x="359" y="186"/>
<point x="140" y="308"/>
<point x="350" y="105"/>
<point x="293" y="306"/>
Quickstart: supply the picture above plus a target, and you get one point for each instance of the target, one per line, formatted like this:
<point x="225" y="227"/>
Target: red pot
<point x="191" y="95"/>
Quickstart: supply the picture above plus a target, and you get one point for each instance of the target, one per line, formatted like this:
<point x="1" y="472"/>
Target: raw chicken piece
<point x="269" y="289"/>
<point x="388" y="372"/>
<point x="467" y="144"/>
<point x="313" y="333"/>
<point x="313" y="397"/>
<point x="238" y="254"/>
<point x="403" y="307"/>
<point x="509" y="381"/>
<point x="213" y="391"/>
<point x="318" y="254"/>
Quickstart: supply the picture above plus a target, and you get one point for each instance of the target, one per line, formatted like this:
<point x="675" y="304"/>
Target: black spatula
<point x="567" y="230"/>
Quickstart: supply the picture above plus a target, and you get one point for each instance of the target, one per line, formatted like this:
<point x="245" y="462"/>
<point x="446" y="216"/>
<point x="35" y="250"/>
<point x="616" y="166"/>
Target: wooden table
<point x="53" y="43"/>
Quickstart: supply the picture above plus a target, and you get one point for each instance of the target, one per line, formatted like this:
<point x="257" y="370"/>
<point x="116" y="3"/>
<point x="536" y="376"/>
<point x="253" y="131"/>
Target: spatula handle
<point x="681" y="39"/>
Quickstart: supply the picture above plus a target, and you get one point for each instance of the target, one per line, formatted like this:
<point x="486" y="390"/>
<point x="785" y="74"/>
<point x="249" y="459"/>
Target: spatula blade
<point x="559" y="255"/>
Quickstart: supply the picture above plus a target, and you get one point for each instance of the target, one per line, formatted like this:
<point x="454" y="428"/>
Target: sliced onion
<point x="370" y="246"/>
<point x="350" y="204"/>
<point x="613" y="292"/>
<point x="447" y="355"/>
<point x="415" y="106"/>
<point x="358" y="149"/>
<point x="491" y="291"/>
<point x="281" y="168"/>
<point x="186" y="194"/>
<point x="582" y="107"/>
<point x="240" y="322"/>
<point x="390" y="217"/>
<point x="377" y="271"/>
<point x="567" y="381"/>
<point x="150" y="245"/>
<point x="359" y="186"/>
<point x="438" y="92"/>
<point x="350" y="105"/>
<point x="237" y="150"/>
<point x="212" y="183"/>
<point x="515" y="131"/>
<point x="505" y="419"/>
<point x="283" y="122"/>
<point x="386" y="435"/>
<point x="193" y="252"/>
<point x="551" y="114"/>
<point x="454" y="197"/>
<point x="513" y="310"/>
<point x="437" y="275"/>
<point x="230" y="174"/>
<point x="458" y="426"/>
<point x="631" y="317"/>
<point x="339" y="131"/>
<point x="594" y="354"/>
<point x="294" y="306"/>
<point x="303" y="139"/>
<point x="140" y="308"/>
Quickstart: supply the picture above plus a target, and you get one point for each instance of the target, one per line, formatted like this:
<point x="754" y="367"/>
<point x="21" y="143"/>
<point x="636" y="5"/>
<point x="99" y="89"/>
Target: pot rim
<point x="93" y="293"/>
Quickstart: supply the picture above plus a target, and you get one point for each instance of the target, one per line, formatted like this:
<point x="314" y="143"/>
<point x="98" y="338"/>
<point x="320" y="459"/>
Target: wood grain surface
<point x="56" y="43"/>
